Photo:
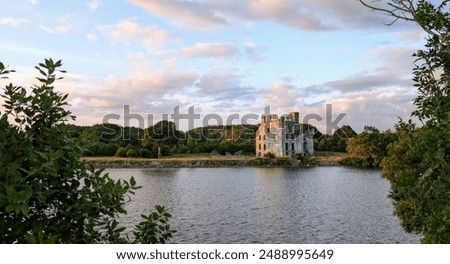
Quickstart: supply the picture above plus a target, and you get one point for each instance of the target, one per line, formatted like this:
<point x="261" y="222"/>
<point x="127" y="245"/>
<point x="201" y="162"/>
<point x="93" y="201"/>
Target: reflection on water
<point x="269" y="205"/>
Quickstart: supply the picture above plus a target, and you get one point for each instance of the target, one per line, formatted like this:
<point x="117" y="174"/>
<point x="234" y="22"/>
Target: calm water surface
<point x="269" y="205"/>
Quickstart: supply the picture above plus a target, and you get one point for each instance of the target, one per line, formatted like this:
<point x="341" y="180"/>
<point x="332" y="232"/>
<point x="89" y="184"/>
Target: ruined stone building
<point x="283" y="136"/>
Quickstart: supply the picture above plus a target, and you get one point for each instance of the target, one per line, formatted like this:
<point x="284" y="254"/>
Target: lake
<point x="269" y="205"/>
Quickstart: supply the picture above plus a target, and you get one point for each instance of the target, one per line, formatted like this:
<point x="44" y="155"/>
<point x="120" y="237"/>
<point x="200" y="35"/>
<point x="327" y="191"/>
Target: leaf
<point x="25" y="209"/>
<point x="428" y="172"/>
<point x="40" y="70"/>
<point x="10" y="208"/>
<point x="42" y="80"/>
<point x="87" y="182"/>
<point x="42" y="198"/>
<point x="159" y="209"/>
<point x="26" y="194"/>
<point x="155" y="215"/>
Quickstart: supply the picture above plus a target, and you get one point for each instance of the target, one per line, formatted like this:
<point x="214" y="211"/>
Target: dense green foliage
<point x="369" y="148"/>
<point x="336" y="142"/>
<point x="47" y="194"/>
<point x="115" y="140"/>
<point x="417" y="165"/>
<point x="223" y="139"/>
<point x="162" y="138"/>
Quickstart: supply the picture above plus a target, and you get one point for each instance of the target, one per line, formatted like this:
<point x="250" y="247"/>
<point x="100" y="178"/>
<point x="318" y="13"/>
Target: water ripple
<point x="269" y="205"/>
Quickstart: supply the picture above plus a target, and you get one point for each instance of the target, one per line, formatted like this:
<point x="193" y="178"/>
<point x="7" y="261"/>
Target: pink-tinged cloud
<point x="282" y="96"/>
<point x="129" y="30"/>
<point x="60" y="29"/>
<point x="207" y="50"/>
<point x="190" y="14"/>
<point x="305" y="15"/>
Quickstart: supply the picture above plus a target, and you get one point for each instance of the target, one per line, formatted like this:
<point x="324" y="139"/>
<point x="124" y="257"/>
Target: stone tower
<point x="283" y="136"/>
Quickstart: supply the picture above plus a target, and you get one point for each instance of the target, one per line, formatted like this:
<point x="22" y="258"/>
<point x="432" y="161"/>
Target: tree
<point x="47" y="194"/>
<point x="368" y="149"/>
<point x="163" y="135"/>
<point x="341" y="137"/>
<point x="417" y="165"/>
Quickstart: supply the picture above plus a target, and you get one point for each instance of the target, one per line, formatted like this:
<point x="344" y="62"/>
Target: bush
<point x="269" y="155"/>
<point x="121" y="152"/>
<point x="132" y="153"/>
<point x="47" y="193"/>
<point x="108" y="149"/>
<point x="183" y="150"/>
<point x="364" y="163"/>
<point x="145" y="153"/>
<point x="88" y="153"/>
<point x="297" y="156"/>
<point x="310" y="160"/>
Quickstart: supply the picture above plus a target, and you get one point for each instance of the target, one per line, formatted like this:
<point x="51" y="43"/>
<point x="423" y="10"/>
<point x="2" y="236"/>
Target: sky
<point x="226" y="60"/>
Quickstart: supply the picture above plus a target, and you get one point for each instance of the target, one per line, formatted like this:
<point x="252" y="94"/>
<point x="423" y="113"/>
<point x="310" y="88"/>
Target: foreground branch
<point x="398" y="9"/>
<point x="405" y="10"/>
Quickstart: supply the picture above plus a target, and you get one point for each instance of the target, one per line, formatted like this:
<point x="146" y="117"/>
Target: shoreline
<point x="212" y="162"/>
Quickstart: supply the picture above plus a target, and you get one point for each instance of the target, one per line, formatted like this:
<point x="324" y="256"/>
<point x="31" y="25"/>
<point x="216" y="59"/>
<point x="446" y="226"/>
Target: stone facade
<point x="283" y="136"/>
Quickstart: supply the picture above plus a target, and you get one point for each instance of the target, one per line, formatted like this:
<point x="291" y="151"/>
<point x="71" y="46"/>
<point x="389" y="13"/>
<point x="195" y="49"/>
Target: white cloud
<point x="125" y="31"/>
<point x="253" y="52"/>
<point x="35" y="2"/>
<point x="213" y="50"/>
<point x="286" y="12"/>
<point x="223" y="90"/>
<point x="170" y="63"/>
<point x="154" y="35"/>
<point x="46" y="29"/>
<point x="387" y="66"/>
<point x="142" y="88"/>
<point x="13" y="21"/>
<point x="61" y="29"/>
<point x="159" y="91"/>
<point x="218" y="82"/>
<point x="306" y="15"/>
<point x="380" y="107"/>
<point x="412" y="36"/>
<point x="282" y="96"/>
<point x="95" y="4"/>
<point x="92" y="37"/>
<point x="189" y="14"/>
<point x="129" y="30"/>
<point x="146" y="91"/>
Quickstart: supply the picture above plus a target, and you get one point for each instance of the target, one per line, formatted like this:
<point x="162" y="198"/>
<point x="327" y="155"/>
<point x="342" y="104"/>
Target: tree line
<point x="366" y="149"/>
<point x="164" y="139"/>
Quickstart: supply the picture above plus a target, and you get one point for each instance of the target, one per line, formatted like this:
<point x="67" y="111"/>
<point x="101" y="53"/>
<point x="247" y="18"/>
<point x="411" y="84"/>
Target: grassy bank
<point x="199" y="161"/>
<point x="329" y="158"/>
